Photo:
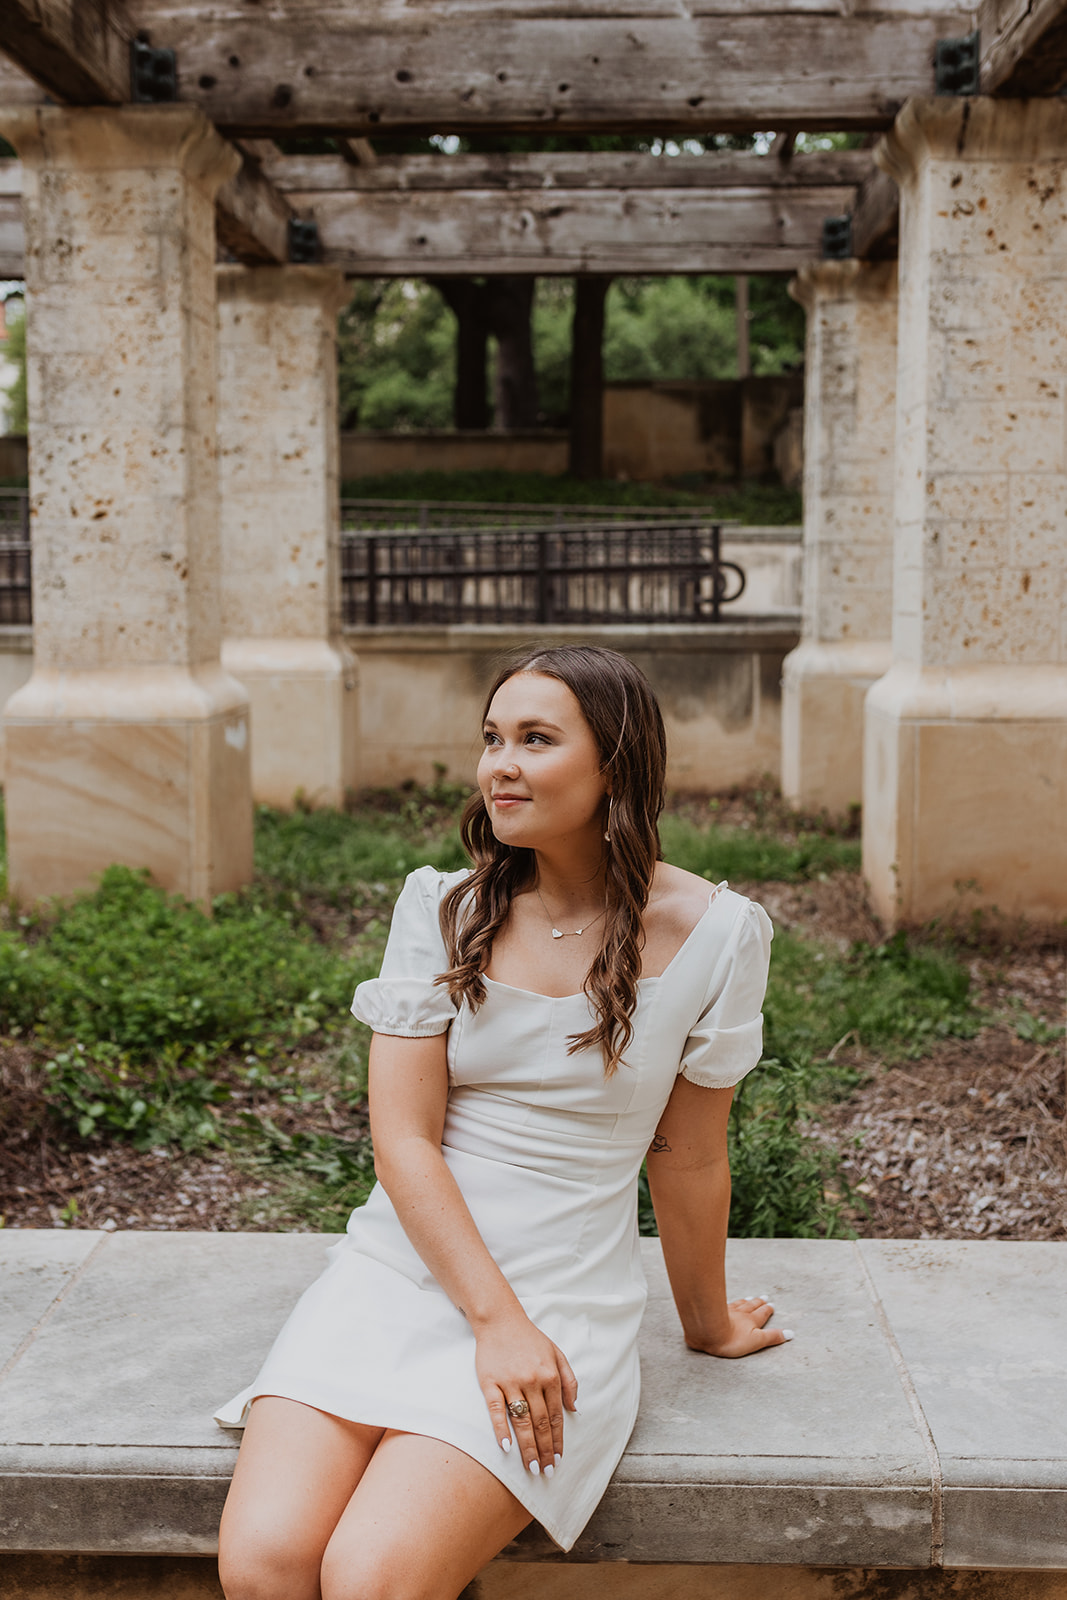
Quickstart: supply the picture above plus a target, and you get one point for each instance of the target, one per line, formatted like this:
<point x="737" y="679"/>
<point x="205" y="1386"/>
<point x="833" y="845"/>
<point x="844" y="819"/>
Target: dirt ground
<point x="970" y="1141"/>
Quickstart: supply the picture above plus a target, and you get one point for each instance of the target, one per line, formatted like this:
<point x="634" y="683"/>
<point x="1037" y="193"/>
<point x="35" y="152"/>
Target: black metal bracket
<point x="153" y="74"/>
<point x="956" y="65"/>
<point x="837" y="238"/>
<point x="304" y="243"/>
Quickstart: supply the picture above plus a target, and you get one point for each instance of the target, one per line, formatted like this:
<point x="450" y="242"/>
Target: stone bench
<point x="918" y="1420"/>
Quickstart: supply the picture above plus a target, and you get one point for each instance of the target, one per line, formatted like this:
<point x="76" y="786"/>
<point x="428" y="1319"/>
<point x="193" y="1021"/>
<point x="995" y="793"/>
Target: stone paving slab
<point x="982" y="1329"/>
<point x="815" y="1454"/>
<point x="36" y="1266"/>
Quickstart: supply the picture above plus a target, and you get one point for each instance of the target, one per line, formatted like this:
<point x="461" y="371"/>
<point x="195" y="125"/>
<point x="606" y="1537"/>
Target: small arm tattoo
<point x="658" y="1146"/>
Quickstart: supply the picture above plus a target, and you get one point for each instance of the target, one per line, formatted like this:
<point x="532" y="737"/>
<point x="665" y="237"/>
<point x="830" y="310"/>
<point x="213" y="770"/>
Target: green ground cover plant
<point x="155" y="1023"/>
<point x="755" y="503"/>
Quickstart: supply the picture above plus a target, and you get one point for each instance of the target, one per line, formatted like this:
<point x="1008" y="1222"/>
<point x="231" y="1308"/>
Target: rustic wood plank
<point x="1024" y="46"/>
<point x="16" y="89"/>
<point x="876" y="219"/>
<point x="78" y="50"/>
<point x="366" y="66"/>
<point x="602" y="170"/>
<point x="252" y="218"/>
<point x="607" y="231"/>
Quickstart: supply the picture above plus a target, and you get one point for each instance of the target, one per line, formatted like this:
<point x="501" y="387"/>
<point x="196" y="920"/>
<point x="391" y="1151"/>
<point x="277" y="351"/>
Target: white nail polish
<point x="787" y="1334"/>
<point x="505" y="1444"/>
<point x="550" y="1472"/>
<point x="535" y="1467"/>
<point x="558" y="1458"/>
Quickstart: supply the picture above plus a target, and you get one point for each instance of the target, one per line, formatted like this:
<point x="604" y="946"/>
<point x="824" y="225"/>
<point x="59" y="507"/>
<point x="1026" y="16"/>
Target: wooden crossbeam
<point x="1024" y="46"/>
<point x="78" y="52"/>
<point x="876" y="219"/>
<point x="622" y="170"/>
<point x="16" y="89"/>
<point x="360" y="67"/>
<point x="78" y="49"/>
<point x="547" y="232"/>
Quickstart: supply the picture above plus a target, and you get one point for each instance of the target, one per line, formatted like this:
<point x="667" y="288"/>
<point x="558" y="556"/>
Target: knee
<point x="343" y="1578"/>
<point x="267" y="1571"/>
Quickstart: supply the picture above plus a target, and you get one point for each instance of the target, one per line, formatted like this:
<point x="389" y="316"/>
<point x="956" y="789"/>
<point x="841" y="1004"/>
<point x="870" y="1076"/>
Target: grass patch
<point x="756" y="503"/>
<point x="349" y="860"/>
<point x="748" y="855"/>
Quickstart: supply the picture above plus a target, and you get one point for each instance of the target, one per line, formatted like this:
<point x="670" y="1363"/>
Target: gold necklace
<point x="558" y="933"/>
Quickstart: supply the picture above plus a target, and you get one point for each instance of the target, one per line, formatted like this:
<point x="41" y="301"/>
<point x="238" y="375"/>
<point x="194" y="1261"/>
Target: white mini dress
<point x="546" y="1150"/>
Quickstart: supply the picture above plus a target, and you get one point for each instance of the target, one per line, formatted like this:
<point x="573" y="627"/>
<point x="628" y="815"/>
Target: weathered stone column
<point x="849" y="416"/>
<point x="129" y="743"/>
<point x="965" y="770"/>
<point x="278" y="483"/>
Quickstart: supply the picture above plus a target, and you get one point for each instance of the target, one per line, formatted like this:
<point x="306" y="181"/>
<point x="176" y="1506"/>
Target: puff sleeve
<point x="403" y="999"/>
<point x="727" y="1039"/>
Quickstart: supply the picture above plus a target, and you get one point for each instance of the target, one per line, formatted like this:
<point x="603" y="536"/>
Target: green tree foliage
<point x="15" y="351"/>
<point x="397" y="342"/>
<point x="396" y="356"/>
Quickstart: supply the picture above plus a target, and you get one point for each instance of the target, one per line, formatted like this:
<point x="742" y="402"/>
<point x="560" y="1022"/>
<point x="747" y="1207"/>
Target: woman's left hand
<point x="746" y="1331"/>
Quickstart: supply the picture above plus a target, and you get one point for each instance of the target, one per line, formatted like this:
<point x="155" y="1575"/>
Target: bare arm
<point x="408" y="1098"/>
<point x="689" y="1180"/>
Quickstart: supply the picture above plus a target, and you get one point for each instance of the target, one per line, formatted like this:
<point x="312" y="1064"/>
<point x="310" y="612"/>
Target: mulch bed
<point x="969" y="1142"/>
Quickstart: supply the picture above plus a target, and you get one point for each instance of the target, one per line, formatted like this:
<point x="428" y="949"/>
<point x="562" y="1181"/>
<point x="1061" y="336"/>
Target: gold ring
<point x="518" y="1408"/>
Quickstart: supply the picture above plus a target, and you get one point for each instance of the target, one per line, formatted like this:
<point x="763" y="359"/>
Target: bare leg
<point x="423" y="1522"/>
<point x="295" y="1475"/>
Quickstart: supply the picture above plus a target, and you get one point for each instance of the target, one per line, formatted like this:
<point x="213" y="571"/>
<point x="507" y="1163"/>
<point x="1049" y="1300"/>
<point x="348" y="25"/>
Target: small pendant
<point x="557" y="933"/>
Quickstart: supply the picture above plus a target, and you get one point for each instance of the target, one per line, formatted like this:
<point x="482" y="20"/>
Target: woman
<point x="468" y="1362"/>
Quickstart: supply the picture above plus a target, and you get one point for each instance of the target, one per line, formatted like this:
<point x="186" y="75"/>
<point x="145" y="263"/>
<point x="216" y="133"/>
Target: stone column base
<point x="823" y="690"/>
<point x="304" y="695"/>
<point x="964" y="778"/>
<point x="147" y="766"/>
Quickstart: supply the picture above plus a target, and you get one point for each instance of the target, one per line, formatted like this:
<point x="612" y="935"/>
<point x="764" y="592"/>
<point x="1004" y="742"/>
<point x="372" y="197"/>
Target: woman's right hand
<point x="516" y="1361"/>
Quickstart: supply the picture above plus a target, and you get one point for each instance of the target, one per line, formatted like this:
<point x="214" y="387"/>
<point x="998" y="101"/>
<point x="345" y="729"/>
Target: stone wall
<point x="731" y="428"/>
<point x="422" y="693"/>
<point x="724" y="429"/>
<point x="366" y="455"/>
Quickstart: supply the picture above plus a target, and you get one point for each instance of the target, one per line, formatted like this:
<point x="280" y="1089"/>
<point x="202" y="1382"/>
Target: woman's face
<point x="540" y="769"/>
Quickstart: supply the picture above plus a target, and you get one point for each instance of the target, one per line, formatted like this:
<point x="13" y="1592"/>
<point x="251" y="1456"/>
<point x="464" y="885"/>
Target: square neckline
<point x="655" y="977"/>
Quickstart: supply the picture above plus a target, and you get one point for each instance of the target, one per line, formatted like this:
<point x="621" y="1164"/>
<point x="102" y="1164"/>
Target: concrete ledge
<point x="916" y="1419"/>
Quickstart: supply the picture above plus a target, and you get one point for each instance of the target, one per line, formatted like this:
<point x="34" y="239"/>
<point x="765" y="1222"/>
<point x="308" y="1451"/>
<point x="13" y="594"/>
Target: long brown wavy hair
<point x="624" y="718"/>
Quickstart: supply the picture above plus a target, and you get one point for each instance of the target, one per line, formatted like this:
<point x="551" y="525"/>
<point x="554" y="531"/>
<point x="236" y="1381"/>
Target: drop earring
<point x="607" y="825"/>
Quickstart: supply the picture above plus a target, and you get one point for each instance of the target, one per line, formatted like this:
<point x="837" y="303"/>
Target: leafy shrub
<point x="147" y="972"/>
<point x="781" y="1178"/>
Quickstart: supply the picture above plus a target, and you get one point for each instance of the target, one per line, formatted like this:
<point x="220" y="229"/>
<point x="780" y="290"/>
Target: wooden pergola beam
<point x="1024" y="46"/>
<point x="78" y="52"/>
<point x="355" y="67"/>
<point x="623" y="170"/>
<point x="876" y="219"/>
<point x="561" y="232"/>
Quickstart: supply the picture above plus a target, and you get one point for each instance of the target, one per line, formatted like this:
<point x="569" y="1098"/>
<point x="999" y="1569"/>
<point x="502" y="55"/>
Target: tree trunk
<point x="469" y="301"/>
<point x="586" y="458"/>
<point x="511" y="309"/>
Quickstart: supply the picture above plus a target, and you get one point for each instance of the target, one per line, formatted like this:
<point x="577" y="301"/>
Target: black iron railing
<point x="16" y="604"/>
<point x="643" y="573"/>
